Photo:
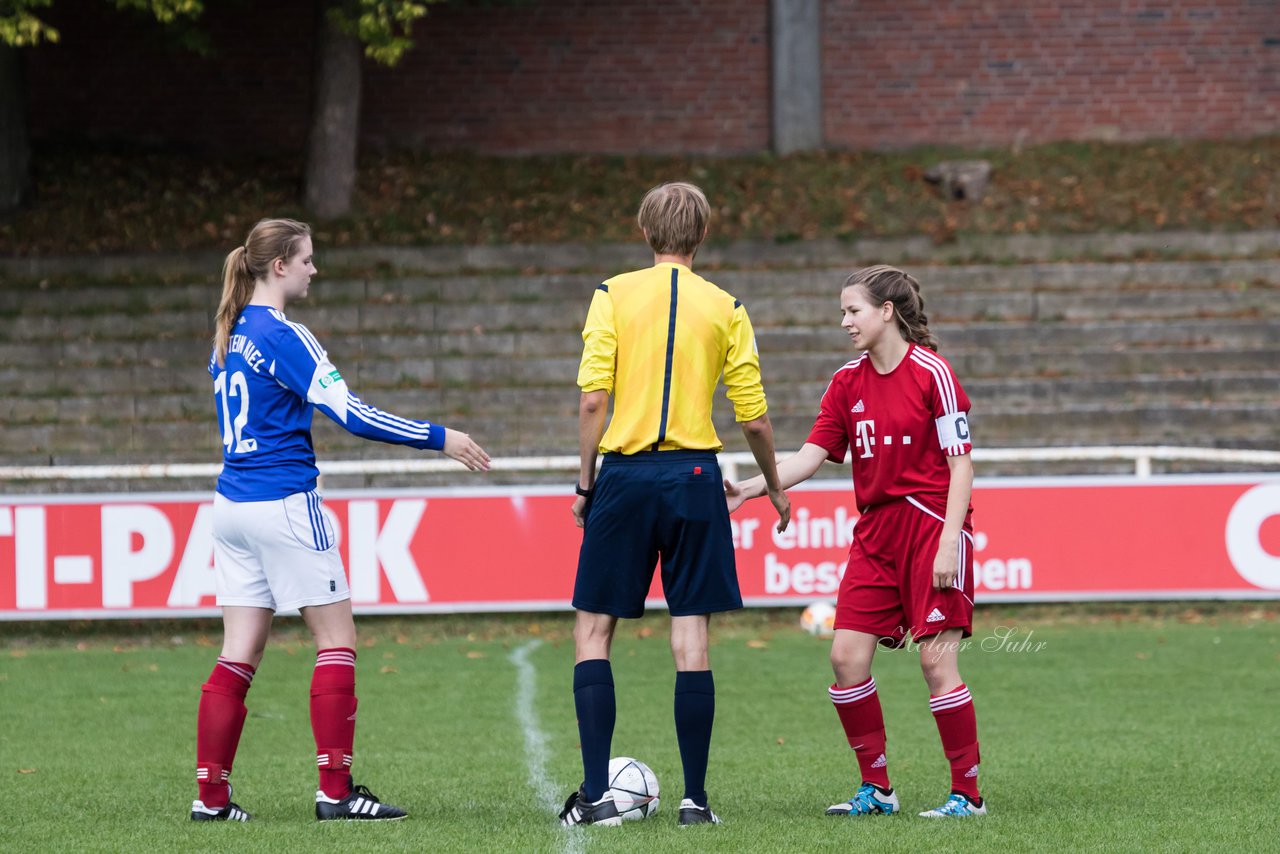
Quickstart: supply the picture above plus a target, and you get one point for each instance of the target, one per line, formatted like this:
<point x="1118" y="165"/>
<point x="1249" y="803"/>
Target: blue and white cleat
<point x="957" y="806"/>
<point x="868" y="800"/>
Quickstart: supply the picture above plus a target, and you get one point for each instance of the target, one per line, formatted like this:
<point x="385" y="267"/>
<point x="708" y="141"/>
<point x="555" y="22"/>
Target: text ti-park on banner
<point x="1050" y="539"/>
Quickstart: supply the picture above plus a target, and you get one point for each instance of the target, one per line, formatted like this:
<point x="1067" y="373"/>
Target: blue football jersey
<point x="275" y="374"/>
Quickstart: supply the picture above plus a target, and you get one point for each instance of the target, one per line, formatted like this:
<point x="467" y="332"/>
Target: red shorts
<point x="887" y="588"/>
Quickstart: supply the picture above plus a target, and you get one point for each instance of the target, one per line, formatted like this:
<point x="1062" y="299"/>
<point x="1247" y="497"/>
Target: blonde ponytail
<point x="270" y="239"/>
<point x="237" y="290"/>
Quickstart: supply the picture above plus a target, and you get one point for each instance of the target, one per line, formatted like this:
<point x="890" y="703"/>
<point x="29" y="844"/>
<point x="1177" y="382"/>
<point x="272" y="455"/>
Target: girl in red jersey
<point x="900" y="410"/>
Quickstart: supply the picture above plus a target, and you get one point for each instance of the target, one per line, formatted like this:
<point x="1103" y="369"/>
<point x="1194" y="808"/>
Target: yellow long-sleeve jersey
<point x="659" y="340"/>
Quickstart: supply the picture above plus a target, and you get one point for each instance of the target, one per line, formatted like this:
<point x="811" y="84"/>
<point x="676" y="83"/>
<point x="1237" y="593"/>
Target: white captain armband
<point x="953" y="429"/>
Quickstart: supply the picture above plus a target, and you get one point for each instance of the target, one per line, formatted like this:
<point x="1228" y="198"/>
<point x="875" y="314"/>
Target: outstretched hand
<point x="461" y="447"/>
<point x="734" y="496"/>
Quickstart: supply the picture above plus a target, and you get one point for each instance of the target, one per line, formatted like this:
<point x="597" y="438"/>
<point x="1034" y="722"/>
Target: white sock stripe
<point x="335" y="659"/>
<point x="950" y="698"/>
<point x="849" y="699"/>
<point x="937" y="710"/>
<point x="938" y="704"/>
<point x="959" y="689"/>
<point x="850" y="695"/>
<point x="202" y="774"/>
<point x="246" y="675"/>
<point x="323" y="758"/>
<point x="336" y="653"/>
<point x="870" y="683"/>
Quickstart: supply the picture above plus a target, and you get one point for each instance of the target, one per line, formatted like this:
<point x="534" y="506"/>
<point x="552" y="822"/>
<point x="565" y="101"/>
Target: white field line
<point x="535" y="741"/>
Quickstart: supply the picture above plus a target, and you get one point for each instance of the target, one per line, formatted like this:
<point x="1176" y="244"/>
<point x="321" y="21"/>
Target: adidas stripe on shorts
<point x="279" y="554"/>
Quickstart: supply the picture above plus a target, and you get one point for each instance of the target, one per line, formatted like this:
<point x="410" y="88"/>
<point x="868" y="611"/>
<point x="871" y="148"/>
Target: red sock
<point x="958" y="726"/>
<point x="863" y="722"/>
<point x="333" y="718"/>
<point x="218" y="726"/>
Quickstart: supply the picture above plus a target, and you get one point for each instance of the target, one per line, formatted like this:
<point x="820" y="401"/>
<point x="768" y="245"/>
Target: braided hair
<point x="889" y="284"/>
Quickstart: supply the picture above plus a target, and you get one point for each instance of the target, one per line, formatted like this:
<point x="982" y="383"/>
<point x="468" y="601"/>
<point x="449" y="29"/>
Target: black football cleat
<point x="360" y="805"/>
<point x="578" y="810"/>
<point x="691" y="813"/>
<point x="231" y="812"/>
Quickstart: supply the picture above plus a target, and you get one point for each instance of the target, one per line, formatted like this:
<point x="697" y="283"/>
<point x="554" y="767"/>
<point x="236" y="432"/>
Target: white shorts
<point x="278" y="554"/>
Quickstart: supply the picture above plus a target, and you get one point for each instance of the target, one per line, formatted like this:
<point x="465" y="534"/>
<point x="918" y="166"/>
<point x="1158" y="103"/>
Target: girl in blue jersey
<point x="274" y="548"/>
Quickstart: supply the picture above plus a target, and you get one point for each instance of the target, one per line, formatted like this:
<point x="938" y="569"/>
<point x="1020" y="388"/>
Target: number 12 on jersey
<point x="226" y="389"/>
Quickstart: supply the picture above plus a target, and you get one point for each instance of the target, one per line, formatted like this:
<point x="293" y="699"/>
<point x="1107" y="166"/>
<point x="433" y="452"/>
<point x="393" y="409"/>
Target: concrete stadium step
<point x="1049" y="363"/>
<point x="1257" y="424"/>
<point x="1015" y="278"/>
<point x="1224" y="301"/>
<point x="99" y="309"/>
<point x="1183" y="352"/>
<point x="333" y="315"/>
<point x="72" y="294"/>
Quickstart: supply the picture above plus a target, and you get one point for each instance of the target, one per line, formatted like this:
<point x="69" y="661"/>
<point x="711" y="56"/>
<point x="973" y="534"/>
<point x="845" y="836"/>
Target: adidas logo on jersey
<point x="935" y="616"/>
<point x="858" y="407"/>
<point x="880" y="762"/>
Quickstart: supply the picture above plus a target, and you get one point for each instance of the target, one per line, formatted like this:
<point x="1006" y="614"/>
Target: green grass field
<point x="1109" y="729"/>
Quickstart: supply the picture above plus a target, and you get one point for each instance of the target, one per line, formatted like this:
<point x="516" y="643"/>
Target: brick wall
<point x="582" y="75"/>
<point x="536" y="77"/>
<point x="907" y="72"/>
<point x="651" y="76"/>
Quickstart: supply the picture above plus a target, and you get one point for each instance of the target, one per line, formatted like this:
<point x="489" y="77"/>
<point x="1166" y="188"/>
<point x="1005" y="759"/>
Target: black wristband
<point x="585" y="493"/>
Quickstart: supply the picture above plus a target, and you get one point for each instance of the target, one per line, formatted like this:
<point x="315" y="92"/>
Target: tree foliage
<point x="384" y="27"/>
<point x="21" y="25"/>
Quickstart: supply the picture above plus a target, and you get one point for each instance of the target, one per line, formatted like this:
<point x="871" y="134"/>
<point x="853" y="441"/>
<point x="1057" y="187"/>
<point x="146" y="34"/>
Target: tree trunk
<point x="15" y="149"/>
<point x="335" y="123"/>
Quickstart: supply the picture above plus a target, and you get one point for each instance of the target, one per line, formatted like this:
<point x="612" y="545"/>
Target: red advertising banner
<point x="455" y="550"/>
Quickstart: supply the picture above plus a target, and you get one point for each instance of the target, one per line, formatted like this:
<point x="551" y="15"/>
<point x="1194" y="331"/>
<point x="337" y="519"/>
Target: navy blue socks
<point x="594" y="701"/>
<point x="695" y="712"/>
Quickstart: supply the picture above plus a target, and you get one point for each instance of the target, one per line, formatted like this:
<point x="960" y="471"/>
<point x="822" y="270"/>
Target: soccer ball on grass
<point x="634" y="787"/>
<point x="819" y="619"/>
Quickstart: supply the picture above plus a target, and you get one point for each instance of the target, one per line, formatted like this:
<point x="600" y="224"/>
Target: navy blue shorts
<point x="651" y="505"/>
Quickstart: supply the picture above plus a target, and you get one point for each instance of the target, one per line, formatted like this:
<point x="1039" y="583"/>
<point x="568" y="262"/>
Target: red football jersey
<point x="902" y="426"/>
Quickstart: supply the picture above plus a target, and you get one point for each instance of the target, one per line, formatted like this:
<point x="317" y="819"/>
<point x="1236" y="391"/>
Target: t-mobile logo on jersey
<point x="866" y="438"/>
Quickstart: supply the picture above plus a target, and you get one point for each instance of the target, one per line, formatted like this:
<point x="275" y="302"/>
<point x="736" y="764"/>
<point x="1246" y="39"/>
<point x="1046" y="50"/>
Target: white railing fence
<point x="1140" y="455"/>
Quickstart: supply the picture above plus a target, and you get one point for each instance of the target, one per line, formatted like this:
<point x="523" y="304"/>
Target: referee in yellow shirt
<point x="659" y="340"/>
